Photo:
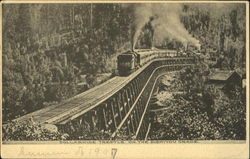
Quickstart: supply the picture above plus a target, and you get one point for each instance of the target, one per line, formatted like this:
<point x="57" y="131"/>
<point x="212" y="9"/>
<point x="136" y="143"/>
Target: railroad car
<point x="144" y="57"/>
<point x="129" y="61"/>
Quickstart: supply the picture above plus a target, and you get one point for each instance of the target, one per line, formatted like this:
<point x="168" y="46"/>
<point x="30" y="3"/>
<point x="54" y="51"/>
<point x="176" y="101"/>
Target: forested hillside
<point x="47" y="47"/>
<point x="221" y="30"/>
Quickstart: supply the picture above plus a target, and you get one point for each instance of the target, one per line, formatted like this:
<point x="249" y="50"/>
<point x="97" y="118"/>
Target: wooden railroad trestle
<point x="124" y="115"/>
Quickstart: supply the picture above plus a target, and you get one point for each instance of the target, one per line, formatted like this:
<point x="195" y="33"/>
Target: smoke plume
<point x="142" y="14"/>
<point x="166" y="22"/>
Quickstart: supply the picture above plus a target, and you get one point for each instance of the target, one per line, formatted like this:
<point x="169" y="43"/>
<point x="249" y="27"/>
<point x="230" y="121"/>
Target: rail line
<point x="117" y="103"/>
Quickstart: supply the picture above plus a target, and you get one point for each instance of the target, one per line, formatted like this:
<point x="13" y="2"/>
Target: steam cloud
<point x="166" y="22"/>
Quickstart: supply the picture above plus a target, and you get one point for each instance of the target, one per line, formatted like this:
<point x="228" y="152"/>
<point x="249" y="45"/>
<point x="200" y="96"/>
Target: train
<point x="131" y="60"/>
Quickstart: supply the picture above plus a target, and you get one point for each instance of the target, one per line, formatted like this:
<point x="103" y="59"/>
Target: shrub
<point x="29" y="131"/>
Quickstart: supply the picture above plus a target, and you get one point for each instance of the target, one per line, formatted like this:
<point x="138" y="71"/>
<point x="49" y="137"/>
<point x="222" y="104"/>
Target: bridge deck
<point x="84" y="100"/>
<point x="81" y="103"/>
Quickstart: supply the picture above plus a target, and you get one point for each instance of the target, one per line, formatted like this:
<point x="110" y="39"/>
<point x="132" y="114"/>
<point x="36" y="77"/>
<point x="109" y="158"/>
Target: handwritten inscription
<point x="81" y="151"/>
<point x="24" y="152"/>
<point x="113" y="152"/>
<point x="84" y="151"/>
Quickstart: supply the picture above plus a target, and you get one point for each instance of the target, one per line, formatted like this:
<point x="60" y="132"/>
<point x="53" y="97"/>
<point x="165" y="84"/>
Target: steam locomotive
<point x="131" y="60"/>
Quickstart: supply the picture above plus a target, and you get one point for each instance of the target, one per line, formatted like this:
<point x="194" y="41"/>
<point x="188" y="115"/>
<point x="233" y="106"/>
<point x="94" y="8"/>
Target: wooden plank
<point x="124" y="103"/>
<point x="104" y="117"/>
<point x="128" y="126"/>
<point x="132" y="122"/>
<point x="113" y="113"/>
<point x="119" y="107"/>
<point x="128" y="100"/>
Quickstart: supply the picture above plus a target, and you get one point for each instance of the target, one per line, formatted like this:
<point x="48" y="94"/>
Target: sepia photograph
<point x="142" y="72"/>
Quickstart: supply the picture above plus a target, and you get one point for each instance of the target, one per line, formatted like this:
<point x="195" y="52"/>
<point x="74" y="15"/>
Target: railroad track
<point x="78" y="105"/>
<point x="82" y="102"/>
